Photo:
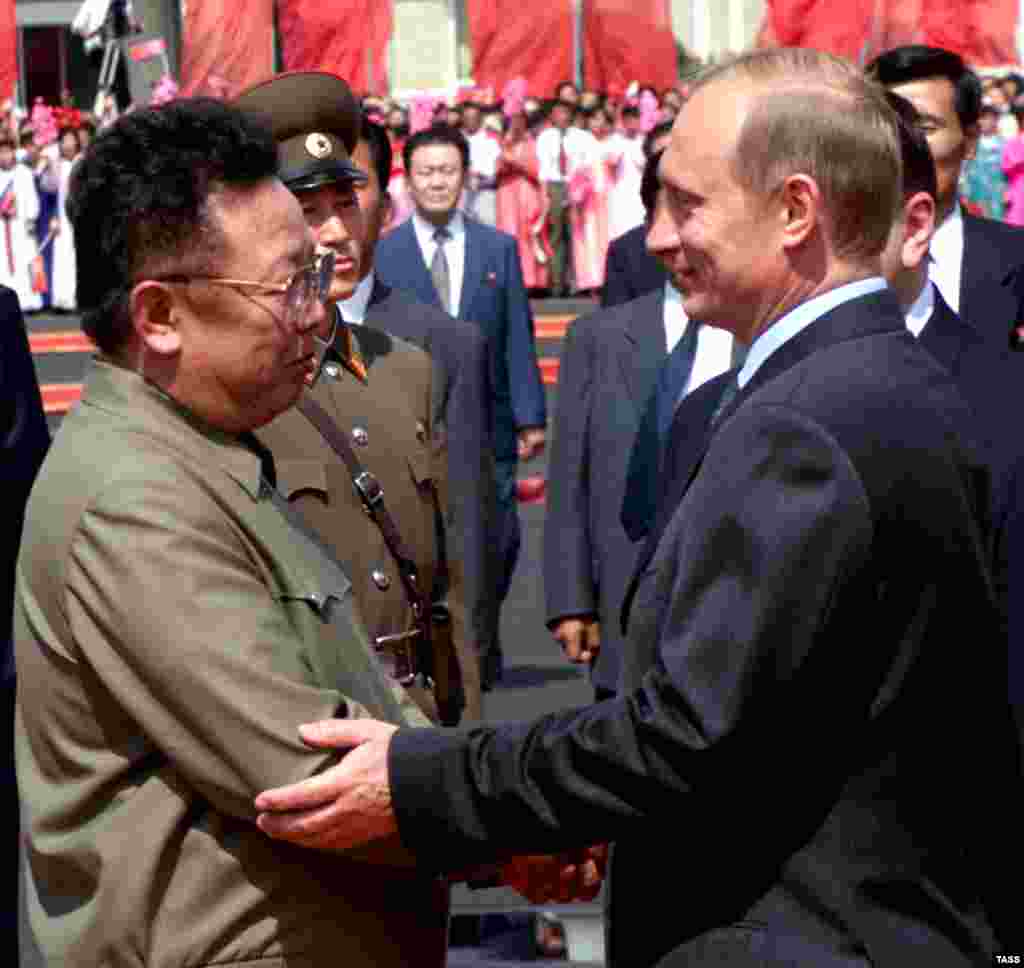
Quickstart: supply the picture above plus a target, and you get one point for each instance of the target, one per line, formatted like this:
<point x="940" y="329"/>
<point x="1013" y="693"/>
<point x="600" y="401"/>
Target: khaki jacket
<point x="378" y="391"/>
<point x="172" y="629"/>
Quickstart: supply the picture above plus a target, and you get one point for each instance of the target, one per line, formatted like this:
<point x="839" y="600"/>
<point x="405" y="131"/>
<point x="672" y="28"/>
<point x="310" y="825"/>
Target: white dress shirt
<point x="947" y="251"/>
<point x="454" y="250"/>
<point x="797" y="320"/>
<point x="579" y="145"/>
<point x="484" y="151"/>
<point x="919" y="314"/>
<point x="353" y="309"/>
<point x="714" y="346"/>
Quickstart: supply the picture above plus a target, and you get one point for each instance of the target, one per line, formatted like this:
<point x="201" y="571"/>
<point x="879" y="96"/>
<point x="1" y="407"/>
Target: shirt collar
<point x="353" y="309"/>
<point x="117" y="389"/>
<point x="949" y="233"/>
<point x="425" y="230"/>
<point x="918" y="315"/>
<point x="798" y="319"/>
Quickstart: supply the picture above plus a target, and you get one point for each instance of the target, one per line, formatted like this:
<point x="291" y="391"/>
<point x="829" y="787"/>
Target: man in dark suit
<point x="610" y="364"/>
<point x="472" y="272"/>
<point x="972" y="258"/>
<point x="789" y="755"/>
<point x="23" y="441"/>
<point x="630" y="270"/>
<point x="463" y="401"/>
<point x="990" y="378"/>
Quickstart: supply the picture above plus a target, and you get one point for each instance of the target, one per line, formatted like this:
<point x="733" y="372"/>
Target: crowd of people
<point x="561" y="174"/>
<point x="37" y="155"/>
<point x="266" y="553"/>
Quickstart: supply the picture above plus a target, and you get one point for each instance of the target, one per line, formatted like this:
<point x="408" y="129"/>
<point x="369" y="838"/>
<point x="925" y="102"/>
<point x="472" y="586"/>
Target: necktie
<point x="641" y="496"/>
<point x="732" y="388"/>
<point x="439" y="270"/>
<point x="563" y="158"/>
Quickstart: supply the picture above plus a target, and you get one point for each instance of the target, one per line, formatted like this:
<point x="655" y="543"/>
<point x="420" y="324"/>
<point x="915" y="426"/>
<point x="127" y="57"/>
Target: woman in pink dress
<point x="590" y="184"/>
<point x="522" y="204"/>
<point x="1013" y="167"/>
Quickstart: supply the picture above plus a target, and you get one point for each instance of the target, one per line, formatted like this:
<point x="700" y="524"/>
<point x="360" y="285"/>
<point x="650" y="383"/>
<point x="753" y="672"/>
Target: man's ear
<point x="155" y="318"/>
<point x="918" y="229"/>
<point x="800" y="209"/>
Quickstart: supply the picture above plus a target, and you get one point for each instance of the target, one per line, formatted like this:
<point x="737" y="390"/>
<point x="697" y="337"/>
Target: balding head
<point x="811" y="113"/>
<point x="781" y="181"/>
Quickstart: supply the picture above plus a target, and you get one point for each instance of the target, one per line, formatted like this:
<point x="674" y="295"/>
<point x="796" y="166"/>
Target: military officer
<point x="375" y="387"/>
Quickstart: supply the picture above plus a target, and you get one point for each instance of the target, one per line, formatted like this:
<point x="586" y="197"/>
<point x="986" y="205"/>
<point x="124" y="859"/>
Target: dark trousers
<point x="560" y="237"/>
<point x="9" y="795"/>
<point x="506" y="541"/>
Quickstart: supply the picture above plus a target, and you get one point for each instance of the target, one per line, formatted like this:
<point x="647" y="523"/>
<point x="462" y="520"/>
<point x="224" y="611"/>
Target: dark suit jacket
<point x="805" y="741"/>
<point x="24" y="438"/>
<point x="992" y="381"/>
<point x="608" y="368"/>
<point x="493" y="295"/>
<point x="630" y="270"/>
<point x="989" y="300"/>
<point x="462" y="407"/>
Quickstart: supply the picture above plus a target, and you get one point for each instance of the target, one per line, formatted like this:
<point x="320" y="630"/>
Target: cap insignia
<point x="318" y="145"/>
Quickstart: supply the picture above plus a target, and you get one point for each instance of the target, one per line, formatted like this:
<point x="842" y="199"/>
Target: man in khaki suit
<point x="175" y="619"/>
<point x="375" y="386"/>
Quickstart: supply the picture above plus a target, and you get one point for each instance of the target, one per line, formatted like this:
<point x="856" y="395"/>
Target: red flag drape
<point x="226" y="46"/>
<point x="983" y="32"/>
<point x="8" y="50"/>
<point x="624" y="41"/>
<point x="350" y="38"/>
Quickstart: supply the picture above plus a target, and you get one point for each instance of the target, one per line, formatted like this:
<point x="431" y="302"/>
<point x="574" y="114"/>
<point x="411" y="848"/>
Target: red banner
<point x="227" y="45"/>
<point x="983" y="32"/>
<point x="8" y="50"/>
<point x="350" y="38"/>
<point x="623" y="41"/>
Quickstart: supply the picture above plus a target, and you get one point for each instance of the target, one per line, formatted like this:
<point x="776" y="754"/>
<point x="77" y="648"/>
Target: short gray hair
<point x="818" y="115"/>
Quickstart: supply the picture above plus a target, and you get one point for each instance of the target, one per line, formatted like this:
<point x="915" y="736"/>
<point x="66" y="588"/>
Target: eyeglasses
<point x="301" y="290"/>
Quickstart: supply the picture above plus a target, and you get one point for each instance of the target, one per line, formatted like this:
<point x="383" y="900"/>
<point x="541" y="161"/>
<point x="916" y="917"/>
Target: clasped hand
<point x="349" y="806"/>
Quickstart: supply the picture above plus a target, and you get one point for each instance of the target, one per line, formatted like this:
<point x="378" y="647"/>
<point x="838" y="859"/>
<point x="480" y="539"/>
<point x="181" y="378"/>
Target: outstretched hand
<point x="558" y="878"/>
<point x="346" y="806"/>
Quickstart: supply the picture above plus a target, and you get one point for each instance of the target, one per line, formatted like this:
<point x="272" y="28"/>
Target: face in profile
<point x="951" y="145"/>
<point x="332" y="214"/>
<point x="715" y="238"/>
<point x="245" y="354"/>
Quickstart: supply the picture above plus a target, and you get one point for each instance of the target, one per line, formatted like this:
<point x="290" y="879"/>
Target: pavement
<point x="537" y="679"/>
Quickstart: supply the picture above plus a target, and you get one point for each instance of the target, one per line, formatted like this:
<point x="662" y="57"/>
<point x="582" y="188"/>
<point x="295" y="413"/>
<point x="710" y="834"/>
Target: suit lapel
<point x="473" y="267"/>
<point x="875" y="313"/>
<point x="643" y="349"/>
<point x="410" y="254"/>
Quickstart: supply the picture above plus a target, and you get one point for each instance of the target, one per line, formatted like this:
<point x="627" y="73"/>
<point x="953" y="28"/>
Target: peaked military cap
<point x="315" y="119"/>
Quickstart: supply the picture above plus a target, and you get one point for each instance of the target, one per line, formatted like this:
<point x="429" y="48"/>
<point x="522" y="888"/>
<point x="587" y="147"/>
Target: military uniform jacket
<point x="377" y="389"/>
<point x="172" y="629"/>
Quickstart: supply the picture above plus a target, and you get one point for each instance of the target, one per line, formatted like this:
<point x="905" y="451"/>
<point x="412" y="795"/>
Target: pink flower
<point x="164" y="91"/>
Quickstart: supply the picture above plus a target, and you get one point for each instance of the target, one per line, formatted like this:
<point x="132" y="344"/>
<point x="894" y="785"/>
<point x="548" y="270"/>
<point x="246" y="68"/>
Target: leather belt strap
<point x="405" y="646"/>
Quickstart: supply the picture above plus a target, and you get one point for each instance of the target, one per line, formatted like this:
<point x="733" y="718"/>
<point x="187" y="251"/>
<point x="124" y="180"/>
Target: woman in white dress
<point x="64" y="275"/>
<point x="19" y="209"/>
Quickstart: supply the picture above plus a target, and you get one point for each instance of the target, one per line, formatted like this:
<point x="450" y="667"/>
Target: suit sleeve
<point x="569" y="584"/>
<point x="525" y="384"/>
<point x="757" y="562"/>
<point x="470" y="443"/>
<point x="24" y="439"/>
<point x="616" y="289"/>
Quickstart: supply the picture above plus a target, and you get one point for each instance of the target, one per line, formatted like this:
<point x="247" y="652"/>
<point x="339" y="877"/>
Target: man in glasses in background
<point x="376" y="390"/>
<point x="175" y="618"/>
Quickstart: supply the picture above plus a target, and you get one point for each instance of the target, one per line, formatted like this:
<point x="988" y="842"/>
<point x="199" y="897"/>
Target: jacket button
<point x="380" y="579"/>
<point x="360" y="436"/>
<point x="421" y="431"/>
<point x="332" y="370"/>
